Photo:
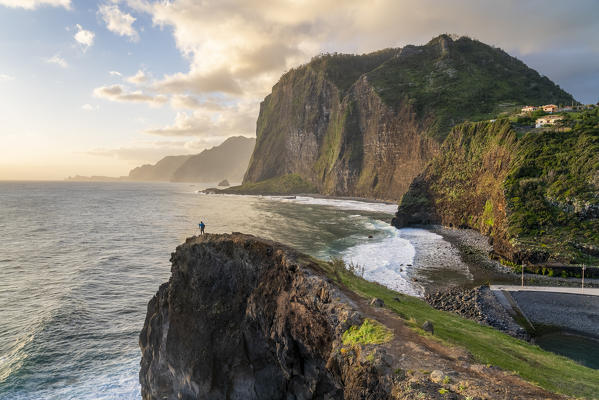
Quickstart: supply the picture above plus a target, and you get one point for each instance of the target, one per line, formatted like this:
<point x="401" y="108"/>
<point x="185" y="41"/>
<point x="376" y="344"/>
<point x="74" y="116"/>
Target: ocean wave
<point x="354" y="205"/>
<point x="387" y="261"/>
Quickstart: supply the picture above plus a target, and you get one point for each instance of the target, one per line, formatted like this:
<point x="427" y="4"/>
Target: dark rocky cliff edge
<point x="246" y="318"/>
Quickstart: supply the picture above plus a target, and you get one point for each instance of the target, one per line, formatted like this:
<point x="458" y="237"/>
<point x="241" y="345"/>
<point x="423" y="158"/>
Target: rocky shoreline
<point x="480" y="305"/>
<point x="476" y="252"/>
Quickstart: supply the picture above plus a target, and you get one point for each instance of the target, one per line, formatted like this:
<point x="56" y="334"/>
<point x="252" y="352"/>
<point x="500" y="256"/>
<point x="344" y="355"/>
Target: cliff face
<point x="367" y="125"/>
<point x="242" y="318"/>
<point x="534" y="192"/>
<point x="246" y="318"/>
<point x="462" y="187"/>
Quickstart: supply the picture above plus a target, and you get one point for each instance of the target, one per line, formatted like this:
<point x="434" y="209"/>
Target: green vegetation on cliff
<point x="344" y="69"/>
<point x="451" y="81"/>
<point x="552" y="190"/>
<point x="370" y="332"/>
<point x="488" y="346"/>
<point x="536" y="194"/>
<point x="366" y="125"/>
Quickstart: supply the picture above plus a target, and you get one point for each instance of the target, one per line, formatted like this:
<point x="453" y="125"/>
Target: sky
<point x="99" y="87"/>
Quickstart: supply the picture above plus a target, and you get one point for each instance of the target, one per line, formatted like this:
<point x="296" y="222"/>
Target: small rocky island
<point x="247" y="318"/>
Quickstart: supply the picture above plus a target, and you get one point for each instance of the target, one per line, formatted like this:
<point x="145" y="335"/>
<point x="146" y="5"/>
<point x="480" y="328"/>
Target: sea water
<point x="80" y="261"/>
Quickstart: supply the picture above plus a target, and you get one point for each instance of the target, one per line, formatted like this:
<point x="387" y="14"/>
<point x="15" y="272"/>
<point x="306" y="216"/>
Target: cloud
<point x="186" y="125"/>
<point x="120" y="94"/>
<point x="89" y="107"/>
<point x="84" y="37"/>
<point x="138" y="78"/>
<point x="200" y="83"/>
<point x="6" y="77"/>
<point x="210" y="121"/>
<point x="115" y="73"/>
<point x="33" y="4"/>
<point x="118" y="21"/>
<point x="58" y="60"/>
<point x="193" y="103"/>
<point x="150" y="152"/>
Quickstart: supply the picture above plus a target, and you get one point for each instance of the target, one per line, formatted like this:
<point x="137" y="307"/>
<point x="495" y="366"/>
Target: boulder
<point x="437" y="376"/>
<point x="428" y="327"/>
<point x="376" y="302"/>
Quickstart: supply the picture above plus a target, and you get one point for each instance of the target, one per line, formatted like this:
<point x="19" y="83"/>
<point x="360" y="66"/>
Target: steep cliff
<point x="534" y="192"/>
<point x="246" y="318"/>
<point x="367" y="125"/>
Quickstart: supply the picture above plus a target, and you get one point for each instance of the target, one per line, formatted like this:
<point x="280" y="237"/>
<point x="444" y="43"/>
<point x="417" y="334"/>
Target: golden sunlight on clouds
<point x="235" y="51"/>
<point x="240" y="49"/>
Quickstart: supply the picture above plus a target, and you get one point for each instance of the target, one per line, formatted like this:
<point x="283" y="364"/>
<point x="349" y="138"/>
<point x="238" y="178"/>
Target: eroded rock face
<point x="346" y="144"/>
<point x="241" y="319"/>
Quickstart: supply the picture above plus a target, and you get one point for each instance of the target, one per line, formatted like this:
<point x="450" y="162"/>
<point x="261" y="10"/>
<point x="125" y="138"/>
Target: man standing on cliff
<point x="202" y="226"/>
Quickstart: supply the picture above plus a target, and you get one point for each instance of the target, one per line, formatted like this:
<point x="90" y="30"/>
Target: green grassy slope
<point x="488" y="346"/>
<point x="452" y="81"/>
<point x="280" y="185"/>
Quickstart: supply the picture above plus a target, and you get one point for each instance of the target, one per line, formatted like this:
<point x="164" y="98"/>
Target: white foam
<point x="387" y="261"/>
<point x="356" y="205"/>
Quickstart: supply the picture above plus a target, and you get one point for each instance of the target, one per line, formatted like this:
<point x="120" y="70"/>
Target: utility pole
<point x="583" y="268"/>
<point x="523" y="275"/>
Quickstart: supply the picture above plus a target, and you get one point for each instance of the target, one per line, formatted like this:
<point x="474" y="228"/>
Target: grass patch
<point x="488" y="346"/>
<point x="370" y="332"/>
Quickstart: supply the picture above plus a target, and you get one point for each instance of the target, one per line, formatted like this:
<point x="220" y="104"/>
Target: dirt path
<point x="419" y="356"/>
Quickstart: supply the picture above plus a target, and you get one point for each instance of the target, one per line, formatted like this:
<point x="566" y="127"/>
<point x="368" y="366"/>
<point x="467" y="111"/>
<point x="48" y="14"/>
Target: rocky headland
<point x="367" y="125"/>
<point x="246" y="318"/>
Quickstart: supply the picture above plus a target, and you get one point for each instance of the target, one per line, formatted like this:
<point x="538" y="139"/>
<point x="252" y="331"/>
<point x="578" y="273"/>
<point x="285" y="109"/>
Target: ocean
<point x="80" y="261"/>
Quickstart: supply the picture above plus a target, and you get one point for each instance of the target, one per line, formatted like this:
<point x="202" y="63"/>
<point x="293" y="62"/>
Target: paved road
<point x="556" y="306"/>
<point x="570" y="290"/>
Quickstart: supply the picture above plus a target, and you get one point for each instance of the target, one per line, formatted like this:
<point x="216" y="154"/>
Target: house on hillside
<point x="548" y="120"/>
<point x="566" y="109"/>
<point x="550" y="108"/>
<point x="529" y="109"/>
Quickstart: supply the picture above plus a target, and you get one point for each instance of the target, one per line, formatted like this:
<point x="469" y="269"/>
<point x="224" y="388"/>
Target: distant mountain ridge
<point x="228" y="160"/>
<point x="163" y="170"/>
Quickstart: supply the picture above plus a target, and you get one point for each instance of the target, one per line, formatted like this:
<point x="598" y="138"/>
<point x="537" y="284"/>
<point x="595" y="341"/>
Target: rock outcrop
<point x="367" y="125"/>
<point x="246" y="318"/>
